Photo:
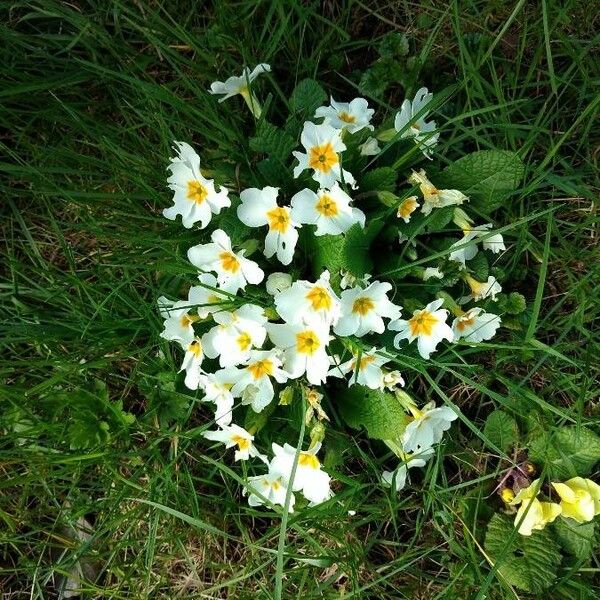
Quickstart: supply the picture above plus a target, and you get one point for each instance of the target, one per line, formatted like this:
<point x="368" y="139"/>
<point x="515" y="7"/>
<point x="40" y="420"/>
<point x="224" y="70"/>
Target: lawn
<point x="104" y="469"/>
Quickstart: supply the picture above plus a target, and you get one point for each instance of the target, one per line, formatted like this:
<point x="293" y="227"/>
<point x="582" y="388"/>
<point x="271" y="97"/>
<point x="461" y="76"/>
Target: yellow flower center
<point x="307" y="342"/>
<point x="327" y="206"/>
<point x="319" y="298"/>
<point x="241" y="442"/>
<point x="244" y="341"/>
<point x="186" y="320"/>
<point x="422" y="324"/>
<point x="364" y="362"/>
<point x="407" y="207"/>
<point x="260" y="368"/>
<point x="323" y="157"/>
<point x="196" y="348"/>
<point x="229" y="262"/>
<point x="306" y="459"/>
<point x="346" y="117"/>
<point x="196" y="192"/>
<point x="279" y="219"/>
<point x="362" y="306"/>
<point x="464" y="323"/>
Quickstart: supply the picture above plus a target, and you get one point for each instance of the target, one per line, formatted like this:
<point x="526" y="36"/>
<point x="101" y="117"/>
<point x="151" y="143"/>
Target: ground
<point x="94" y="94"/>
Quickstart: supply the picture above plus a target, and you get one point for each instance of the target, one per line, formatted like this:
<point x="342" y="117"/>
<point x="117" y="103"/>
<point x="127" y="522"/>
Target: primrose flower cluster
<point x="579" y="500"/>
<point x="242" y="342"/>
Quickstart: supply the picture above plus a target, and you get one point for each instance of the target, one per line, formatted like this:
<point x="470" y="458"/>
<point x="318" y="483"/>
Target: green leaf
<point x="378" y="412"/>
<point x="307" y="96"/>
<point x="515" y="303"/>
<point x="393" y="45"/>
<point x="327" y="252"/>
<point x="577" y="539"/>
<point x="439" y="218"/>
<point x="527" y="562"/>
<point x="382" y="179"/>
<point x="388" y="199"/>
<point x="501" y="429"/>
<point x="272" y="141"/>
<point x="566" y="452"/>
<point x="488" y="177"/>
<point x="479" y="266"/>
<point x="356" y="257"/>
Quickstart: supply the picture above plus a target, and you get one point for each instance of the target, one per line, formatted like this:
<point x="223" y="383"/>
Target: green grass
<point x="92" y="96"/>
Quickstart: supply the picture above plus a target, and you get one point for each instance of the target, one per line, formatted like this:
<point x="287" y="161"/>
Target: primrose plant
<point x="356" y="275"/>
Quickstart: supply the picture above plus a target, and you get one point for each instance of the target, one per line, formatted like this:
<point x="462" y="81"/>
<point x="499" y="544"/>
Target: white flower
<point x="278" y="282"/>
<point x="329" y="210"/>
<point x="392" y="379"/>
<point x="494" y="243"/>
<point x="464" y="249"/>
<point x="233" y="270"/>
<point x="192" y="364"/>
<point x="475" y="325"/>
<point x="178" y="323"/>
<point x="416" y="127"/>
<point x="196" y="198"/>
<point x="204" y="299"/>
<point x="427" y="326"/>
<point x="407" y="208"/>
<point x="217" y="389"/>
<point x="365" y="370"/>
<point x="309" y="477"/>
<point x="254" y="384"/>
<point x="241" y="85"/>
<point x="234" y="435"/>
<point x="433" y="197"/>
<point x="259" y="207"/>
<point x="482" y="290"/>
<point x="306" y="302"/>
<point x="370" y="147"/>
<point x="432" y="273"/>
<point x="304" y="349"/>
<point x="398" y="477"/>
<point x="352" y="116"/>
<point x="269" y="487"/>
<point x="323" y="145"/>
<point x="427" y="428"/>
<point x="235" y="335"/>
<point x="362" y="310"/>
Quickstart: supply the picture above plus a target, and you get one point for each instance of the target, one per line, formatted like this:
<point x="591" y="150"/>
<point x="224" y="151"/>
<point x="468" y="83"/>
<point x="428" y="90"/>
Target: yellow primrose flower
<point x="579" y="498"/>
<point x="532" y="513"/>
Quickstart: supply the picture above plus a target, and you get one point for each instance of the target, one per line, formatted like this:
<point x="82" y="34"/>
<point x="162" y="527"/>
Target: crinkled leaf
<point x="307" y="96"/>
<point x="566" y="452"/>
<point x="382" y="179"/>
<point x="393" y="45"/>
<point x="577" y="539"/>
<point x="479" y="266"/>
<point x="515" y="303"/>
<point x="439" y="218"/>
<point x="272" y="141"/>
<point x="501" y="429"/>
<point x="327" y="252"/>
<point x="488" y="177"/>
<point x="378" y="412"/>
<point x="527" y="562"/>
<point x="356" y="257"/>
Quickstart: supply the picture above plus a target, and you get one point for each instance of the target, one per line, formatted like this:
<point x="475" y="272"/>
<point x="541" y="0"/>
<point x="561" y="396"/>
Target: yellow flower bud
<point x="507" y="495"/>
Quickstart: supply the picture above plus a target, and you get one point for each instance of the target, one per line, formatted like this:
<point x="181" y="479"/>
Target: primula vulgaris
<point x="241" y="85"/>
<point x="413" y="125"/>
<point x="350" y="116"/>
<point x="364" y="367"/>
<point x="196" y="198"/>
<point x="308" y="302"/>
<point x="363" y="310"/>
<point x="323" y="145"/>
<point x="329" y="209"/>
<point x="258" y="208"/>
<point x="241" y="346"/>
<point x="432" y="196"/>
<point x="533" y="514"/>
<point x="579" y="498"/>
<point x="235" y="335"/>
<point x="234" y="271"/>
<point x="428" y="326"/>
